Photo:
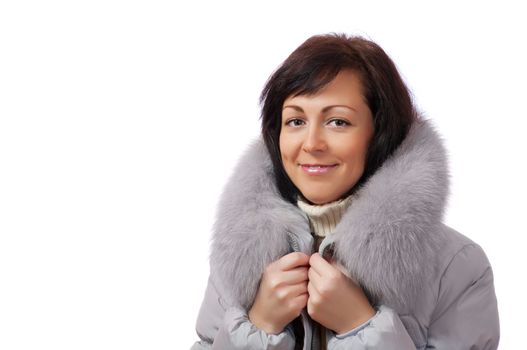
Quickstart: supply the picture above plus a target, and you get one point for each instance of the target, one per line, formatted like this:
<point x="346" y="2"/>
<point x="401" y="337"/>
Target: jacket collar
<point x="386" y="240"/>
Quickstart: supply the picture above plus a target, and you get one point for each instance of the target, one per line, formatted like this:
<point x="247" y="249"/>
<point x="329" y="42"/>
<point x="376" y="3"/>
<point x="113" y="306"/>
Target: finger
<point x="300" y="302"/>
<point x="314" y="295"/>
<point x="292" y="291"/>
<point x="292" y="260"/>
<point x="314" y="277"/>
<point x="320" y="265"/>
<point x="296" y="275"/>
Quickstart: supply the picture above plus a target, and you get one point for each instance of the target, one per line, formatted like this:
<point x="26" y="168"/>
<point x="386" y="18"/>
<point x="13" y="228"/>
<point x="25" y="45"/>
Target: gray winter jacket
<point x="431" y="286"/>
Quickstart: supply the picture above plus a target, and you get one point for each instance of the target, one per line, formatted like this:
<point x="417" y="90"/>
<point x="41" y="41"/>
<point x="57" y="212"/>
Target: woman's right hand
<point x="282" y="293"/>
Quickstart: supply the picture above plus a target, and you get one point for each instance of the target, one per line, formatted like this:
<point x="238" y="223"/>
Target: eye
<point x="294" y="122"/>
<point x="339" y="123"/>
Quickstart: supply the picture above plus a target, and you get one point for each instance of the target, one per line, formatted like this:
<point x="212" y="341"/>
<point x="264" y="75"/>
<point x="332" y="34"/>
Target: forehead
<point x="345" y="88"/>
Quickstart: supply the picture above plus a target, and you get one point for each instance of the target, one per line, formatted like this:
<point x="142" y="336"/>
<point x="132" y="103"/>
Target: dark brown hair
<point x="313" y="65"/>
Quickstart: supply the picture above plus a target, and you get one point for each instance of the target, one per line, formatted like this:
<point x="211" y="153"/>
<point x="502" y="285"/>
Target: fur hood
<point x="387" y="240"/>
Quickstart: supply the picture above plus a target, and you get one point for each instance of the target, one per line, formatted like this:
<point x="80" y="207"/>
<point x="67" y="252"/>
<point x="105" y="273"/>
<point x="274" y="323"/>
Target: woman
<point x="329" y="233"/>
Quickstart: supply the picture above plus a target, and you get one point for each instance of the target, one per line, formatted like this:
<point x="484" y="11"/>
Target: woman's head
<point x="299" y="128"/>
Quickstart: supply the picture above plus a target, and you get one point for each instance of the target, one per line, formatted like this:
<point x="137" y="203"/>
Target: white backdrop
<point x="120" y="121"/>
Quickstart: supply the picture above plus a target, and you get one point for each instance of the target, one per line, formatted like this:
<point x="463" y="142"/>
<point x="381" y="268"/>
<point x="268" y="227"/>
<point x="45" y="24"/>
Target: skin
<point x="282" y="294"/>
<point x="335" y="301"/>
<point x="332" y="127"/>
<point x="314" y="132"/>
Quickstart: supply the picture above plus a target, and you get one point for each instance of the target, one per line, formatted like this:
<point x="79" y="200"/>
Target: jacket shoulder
<point x="458" y="262"/>
<point x="462" y="264"/>
<point x="457" y="247"/>
<point x="465" y="314"/>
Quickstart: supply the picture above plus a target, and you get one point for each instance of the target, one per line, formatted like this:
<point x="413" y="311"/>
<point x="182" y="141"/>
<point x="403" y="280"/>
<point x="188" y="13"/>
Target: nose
<point x="315" y="140"/>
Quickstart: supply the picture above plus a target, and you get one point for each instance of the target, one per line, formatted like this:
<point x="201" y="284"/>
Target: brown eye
<point x="294" y="122"/>
<point x="339" y="123"/>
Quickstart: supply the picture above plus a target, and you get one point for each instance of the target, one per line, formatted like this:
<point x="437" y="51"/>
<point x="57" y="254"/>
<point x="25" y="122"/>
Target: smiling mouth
<point x="316" y="169"/>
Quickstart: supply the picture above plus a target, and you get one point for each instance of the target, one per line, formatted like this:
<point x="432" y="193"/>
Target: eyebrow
<point x="325" y="109"/>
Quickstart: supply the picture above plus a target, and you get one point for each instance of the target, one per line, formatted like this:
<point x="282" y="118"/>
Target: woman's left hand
<point x="335" y="301"/>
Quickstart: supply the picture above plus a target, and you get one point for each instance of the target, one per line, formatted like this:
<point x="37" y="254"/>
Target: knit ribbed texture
<point x="324" y="218"/>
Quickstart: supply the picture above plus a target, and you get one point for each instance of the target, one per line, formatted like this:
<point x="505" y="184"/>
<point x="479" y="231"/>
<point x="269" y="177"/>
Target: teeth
<point x="315" y="168"/>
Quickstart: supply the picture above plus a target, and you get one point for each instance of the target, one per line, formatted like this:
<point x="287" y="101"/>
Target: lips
<point x="316" y="169"/>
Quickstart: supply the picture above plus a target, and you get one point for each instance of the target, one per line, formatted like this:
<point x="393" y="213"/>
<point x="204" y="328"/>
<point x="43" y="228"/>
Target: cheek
<point x="355" y="154"/>
<point x="363" y="155"/>
<point x="285" y="148"/>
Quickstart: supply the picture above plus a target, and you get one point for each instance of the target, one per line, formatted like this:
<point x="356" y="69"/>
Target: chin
<point x="317" y="199"/>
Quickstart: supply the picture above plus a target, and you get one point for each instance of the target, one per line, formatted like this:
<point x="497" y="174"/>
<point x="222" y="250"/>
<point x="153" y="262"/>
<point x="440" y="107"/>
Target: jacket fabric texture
<point x="431" y="286"/>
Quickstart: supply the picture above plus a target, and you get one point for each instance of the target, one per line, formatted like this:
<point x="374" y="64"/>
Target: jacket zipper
<point x="293" y="242"/>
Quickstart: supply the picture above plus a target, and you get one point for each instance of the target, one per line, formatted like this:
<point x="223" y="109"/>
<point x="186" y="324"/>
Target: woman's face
<point x="325" y="137"/>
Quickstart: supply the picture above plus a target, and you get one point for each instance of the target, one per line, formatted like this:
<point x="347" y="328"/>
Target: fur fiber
<point x="387" y="240"/>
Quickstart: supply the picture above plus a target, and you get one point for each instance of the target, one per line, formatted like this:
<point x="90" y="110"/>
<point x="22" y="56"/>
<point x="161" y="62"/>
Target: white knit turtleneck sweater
<point x="323" y="219"/>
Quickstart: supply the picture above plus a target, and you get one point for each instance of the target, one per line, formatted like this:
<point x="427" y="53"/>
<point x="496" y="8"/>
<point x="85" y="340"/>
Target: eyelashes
<point x="335" y="122"/>
<point x="295" y="122"/>
<point x="340" y="122"/>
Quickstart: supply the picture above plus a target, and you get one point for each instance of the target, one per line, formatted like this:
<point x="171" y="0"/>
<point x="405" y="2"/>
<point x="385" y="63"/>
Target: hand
<point x="282" y="293"/>
<point x="335" y="301"/>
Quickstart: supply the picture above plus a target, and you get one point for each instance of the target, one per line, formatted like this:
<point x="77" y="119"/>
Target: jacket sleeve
<point x="225" y="327"/>
<point x="383" y="331"/>
<point x="466" y="315"/>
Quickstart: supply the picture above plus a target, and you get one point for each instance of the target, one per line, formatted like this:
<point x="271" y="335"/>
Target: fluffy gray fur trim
<point x="389" y="237"/>
<point x="387" y="240"/>
<point x="251" y="228"/>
